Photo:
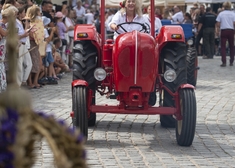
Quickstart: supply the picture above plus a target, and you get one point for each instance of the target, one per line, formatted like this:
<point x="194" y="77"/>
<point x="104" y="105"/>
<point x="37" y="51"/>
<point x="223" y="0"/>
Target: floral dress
<point x="3" y="81"/>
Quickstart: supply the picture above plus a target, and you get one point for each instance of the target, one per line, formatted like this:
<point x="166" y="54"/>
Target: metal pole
<point x="152" y="19"/>
<point x="102" y="21"/>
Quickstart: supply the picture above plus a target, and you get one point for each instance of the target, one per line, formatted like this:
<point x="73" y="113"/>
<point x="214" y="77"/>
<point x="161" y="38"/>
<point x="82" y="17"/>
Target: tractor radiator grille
<point x="124" y="62"/>
<point x="147" y="62"/>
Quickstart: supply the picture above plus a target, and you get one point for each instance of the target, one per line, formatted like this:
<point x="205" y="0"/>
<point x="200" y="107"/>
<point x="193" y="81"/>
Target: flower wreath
<point x="21" y="127"/>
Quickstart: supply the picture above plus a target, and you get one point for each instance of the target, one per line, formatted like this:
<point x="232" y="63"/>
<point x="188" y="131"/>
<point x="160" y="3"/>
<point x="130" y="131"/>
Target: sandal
<point x="34" y="87"/>
<point x="39" y="86"/>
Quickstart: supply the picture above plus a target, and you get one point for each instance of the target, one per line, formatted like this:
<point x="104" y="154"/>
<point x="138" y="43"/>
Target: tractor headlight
<point x="100" y="74"/>
<point x="190" y="42"/>
<point x="170" y="75"/>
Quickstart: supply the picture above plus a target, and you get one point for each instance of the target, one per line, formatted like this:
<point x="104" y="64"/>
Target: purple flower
<point x="79" y="138"/>
<point x="8" y="133"/>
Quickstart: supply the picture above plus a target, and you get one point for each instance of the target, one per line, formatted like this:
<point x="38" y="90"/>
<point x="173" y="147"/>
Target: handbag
<point x="42" y="48"/>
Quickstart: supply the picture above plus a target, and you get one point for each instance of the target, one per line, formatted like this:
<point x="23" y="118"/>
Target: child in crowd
<point x="59" y="65"/>
<point x="48" y="60"/>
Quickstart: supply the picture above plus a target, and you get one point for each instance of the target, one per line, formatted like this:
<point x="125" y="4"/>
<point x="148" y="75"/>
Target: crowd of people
<point x="213" y="30"/>
<point x="46" y="33"/>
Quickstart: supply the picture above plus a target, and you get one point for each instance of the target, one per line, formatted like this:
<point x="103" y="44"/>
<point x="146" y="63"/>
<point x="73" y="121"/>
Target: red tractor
<point x="133" y="70"/>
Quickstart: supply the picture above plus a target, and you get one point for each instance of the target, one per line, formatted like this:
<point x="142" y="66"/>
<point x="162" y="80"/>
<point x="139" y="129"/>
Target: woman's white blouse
<point x="119" y="18"/>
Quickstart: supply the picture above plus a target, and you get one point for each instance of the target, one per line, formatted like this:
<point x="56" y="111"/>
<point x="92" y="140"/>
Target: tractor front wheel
<point x="80" y="109"/>
<point x="192" y="66"/>
<point x="185" y="128"/>
<point x="173" y="57"/>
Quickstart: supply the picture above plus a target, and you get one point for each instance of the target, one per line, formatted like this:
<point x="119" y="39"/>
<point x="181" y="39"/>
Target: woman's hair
<point x="227" y="5"/>
<point x="21" y="9"/>
<point x="32" y="12"/>
<point x="188" y="15"/>
<point x="8" y="10"/>
<point x="166" y="13"/>
<point x="138" y="7"/>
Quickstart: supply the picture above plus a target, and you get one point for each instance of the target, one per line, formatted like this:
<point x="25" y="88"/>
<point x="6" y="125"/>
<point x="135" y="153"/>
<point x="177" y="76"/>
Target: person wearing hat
<point x="62" y="29"/>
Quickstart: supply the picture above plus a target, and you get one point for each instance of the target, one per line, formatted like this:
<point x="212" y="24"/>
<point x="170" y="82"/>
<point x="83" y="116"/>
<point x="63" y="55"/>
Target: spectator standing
<point x="187" y="19"/>
<point x="158" y="13"/>
<point x="226" y="21"/>
<point x="69" y="22"/>
<point x="200" y="33"/>
<point x="48" y="59"/>
<point x="89" y="17"/>
<point x="3" y="80"/>
<point x="24" y="55"/>
<point x="217" y="38"/>
<point x="178" y="16"/>
<point x="80" y="12"/>
<point x="158" y="24"/>
<point x="109" y="31"/>
<point x="36" y="38"/>
<point x="208" y="21"/>
<point x="86" y="4"/>
<point x="166" y="14"/>
<point x="72" y="3"/>
<point x="62" y="29"/>
<point x="47" y="8"/>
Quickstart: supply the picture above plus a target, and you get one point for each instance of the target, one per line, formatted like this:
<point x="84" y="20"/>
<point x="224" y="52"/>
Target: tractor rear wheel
<point x="80" y="109"/>
<point x="174" y="56"/>
<point x="84" y="63"/>
<point x="185" y="128"/>
<point x="192" y="66"/>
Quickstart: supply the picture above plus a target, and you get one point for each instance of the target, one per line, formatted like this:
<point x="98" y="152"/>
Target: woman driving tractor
<point x="131" y="12"/>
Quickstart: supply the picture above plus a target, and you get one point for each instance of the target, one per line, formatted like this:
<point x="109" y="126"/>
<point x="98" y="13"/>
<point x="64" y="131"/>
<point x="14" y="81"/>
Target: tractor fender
<point x="79" y="82"/>
<point x="186" y="86"/>
<point x="166" y="33"/>
<point x="88" y="30"/>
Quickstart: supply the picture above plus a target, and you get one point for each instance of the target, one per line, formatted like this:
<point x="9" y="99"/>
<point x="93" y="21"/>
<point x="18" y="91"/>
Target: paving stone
<point x="127" y="141"/>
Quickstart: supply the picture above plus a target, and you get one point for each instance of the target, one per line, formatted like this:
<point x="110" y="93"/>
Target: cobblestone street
<point x="139" y="141"/>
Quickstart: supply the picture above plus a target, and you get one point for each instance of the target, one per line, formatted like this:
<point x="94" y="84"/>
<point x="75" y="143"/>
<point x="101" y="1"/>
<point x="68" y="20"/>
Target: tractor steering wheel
<point x="144" y="27"/>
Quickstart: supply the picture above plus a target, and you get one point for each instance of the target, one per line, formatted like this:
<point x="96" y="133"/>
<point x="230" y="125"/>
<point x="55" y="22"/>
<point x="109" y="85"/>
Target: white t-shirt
<point x="21" y="30"/>
<point x="74" y="3"/>
<point x="158" y="23"/>
<point x="89" y="18"/>
<point x="226" y="19"/>
<point x="178" y="17"/>
<point x="49" y="47"/>
<point x="119" y="18"/>
<point x="107" y="21"/>
<point x="80" y="12"/>
<point x="68" y="23"/>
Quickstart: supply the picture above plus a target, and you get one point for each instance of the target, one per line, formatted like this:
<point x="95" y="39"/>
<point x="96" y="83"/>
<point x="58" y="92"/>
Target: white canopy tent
<point x="207" y="1"/>
<point x="115" y="3"/>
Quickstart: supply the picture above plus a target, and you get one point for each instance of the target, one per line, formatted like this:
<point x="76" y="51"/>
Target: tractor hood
<point x="135" y="61"/>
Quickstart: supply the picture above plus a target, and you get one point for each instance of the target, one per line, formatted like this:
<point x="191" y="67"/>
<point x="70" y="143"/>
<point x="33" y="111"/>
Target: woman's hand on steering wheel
<point x="114" y="27"/>
<point x="144" y="28"/>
